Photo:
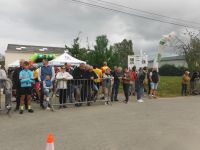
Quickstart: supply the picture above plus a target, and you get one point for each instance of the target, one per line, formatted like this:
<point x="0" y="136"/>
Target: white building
<point x="173" y="60"/>
<point x="16" y="52"/>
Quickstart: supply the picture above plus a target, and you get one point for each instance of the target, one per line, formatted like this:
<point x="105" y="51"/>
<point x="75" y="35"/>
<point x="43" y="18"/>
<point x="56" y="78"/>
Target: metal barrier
<point x="77" y="92"/>
<point x="5" y="95"/>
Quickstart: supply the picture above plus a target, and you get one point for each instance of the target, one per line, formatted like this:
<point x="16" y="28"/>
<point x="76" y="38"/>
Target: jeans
<point x="140" y="93"/>
<point x="184" y="89"/>
<point x="70" y="91"/>
<point x="126" y="91"/>
<point x="62" y="96"/>
<point x="115" y="89"/>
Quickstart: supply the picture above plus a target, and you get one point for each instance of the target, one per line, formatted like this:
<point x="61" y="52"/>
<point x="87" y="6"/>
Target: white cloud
<point x="56" y="22"/>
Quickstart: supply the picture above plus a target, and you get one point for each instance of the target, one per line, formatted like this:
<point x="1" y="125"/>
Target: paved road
<point x="167" y="124"/>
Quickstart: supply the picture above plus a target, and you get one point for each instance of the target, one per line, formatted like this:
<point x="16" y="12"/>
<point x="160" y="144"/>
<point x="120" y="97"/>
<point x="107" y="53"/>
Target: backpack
<point x="155" y="77"/>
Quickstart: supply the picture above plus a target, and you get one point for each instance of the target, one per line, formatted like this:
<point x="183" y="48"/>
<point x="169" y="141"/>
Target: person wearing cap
<point x="44" y="71"/>
<point x="185" y="82"/>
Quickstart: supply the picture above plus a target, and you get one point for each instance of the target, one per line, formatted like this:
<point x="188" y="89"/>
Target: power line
<point x="132" y="14"/>
<point x="147" y="12"/>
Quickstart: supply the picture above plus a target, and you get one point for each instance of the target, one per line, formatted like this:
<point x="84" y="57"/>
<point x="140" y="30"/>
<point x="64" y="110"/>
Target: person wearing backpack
<point x="154" y="79"/>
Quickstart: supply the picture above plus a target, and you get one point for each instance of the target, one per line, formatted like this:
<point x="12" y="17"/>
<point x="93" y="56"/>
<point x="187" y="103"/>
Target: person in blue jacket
<point x="26" y="79"/>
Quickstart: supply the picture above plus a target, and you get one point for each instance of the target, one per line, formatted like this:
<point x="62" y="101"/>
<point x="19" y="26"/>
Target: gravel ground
<point x="163" y="124"/>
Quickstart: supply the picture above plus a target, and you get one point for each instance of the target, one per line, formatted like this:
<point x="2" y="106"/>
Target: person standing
<point x="70" y="83"/>
<point x="62" y="78"/>
<point x="140" y="83"/>
<point x="99" y="74"/>
<point x="133" y="76"/>
<point x="126" y="84"/>
<point x="78" y="74"/>
<point x="17" y="84"/>
<point x="26" y="80"/>
<point x="117" y="77"/>
<point x="44" y="71"/>
<point x="154" y="79"/>
<point x="185" y="82"/>
<point x="107" y="82"/>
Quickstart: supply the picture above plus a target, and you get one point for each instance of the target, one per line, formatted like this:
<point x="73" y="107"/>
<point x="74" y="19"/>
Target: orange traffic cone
<point x="50" y="142"/>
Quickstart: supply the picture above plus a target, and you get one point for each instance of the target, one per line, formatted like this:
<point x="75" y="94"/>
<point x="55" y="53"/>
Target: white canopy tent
<point x="14" y="64"/>
<point x="65" y="58"/>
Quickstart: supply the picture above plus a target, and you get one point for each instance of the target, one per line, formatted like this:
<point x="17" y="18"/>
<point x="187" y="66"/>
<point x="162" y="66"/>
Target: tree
<point x="189" y="45"/>
<point x="76" y="51"/>
<point x="123" y="49"/>
<point x="101" y="52"/>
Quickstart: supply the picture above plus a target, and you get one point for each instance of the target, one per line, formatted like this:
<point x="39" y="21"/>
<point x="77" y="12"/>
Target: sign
<point x="138" y="61"/>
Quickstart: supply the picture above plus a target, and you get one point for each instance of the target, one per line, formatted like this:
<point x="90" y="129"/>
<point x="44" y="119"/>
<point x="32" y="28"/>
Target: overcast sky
<point x="56" y="22"/>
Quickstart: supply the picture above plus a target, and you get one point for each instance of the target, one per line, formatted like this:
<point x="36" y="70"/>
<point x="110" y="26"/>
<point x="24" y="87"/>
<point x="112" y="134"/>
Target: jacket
<point x="62" y="84"/>
<point x="15" y="78"/>
<point x="44" y="71"/>
<point x="26" y="78"/>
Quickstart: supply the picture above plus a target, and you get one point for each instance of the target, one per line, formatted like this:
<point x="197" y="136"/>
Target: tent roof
<point x="65" y="58"/>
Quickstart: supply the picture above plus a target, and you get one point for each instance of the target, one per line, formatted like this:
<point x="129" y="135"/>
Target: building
<point x="2" y="60"/>
<point x="173" y="60"/>
<point x="16" y="52"/>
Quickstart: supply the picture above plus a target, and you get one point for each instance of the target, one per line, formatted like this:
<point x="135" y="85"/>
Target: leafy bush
<point x="171" y="70"/>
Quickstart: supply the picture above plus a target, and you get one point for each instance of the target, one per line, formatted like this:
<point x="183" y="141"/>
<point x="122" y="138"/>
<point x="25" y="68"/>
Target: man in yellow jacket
<point x="99" y="74"/>
<point x="185" y="82"/>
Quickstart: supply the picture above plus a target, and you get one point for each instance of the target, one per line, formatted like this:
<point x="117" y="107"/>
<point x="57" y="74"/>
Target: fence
<point x="5" y="95"/>
<point x="77" y="92"/>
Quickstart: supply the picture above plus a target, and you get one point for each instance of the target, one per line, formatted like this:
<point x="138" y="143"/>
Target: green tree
<point x="122" y="50"/>
<point x="76" y="51"/>
<point x="190" y="47"/>
<point x="101" y="52"/>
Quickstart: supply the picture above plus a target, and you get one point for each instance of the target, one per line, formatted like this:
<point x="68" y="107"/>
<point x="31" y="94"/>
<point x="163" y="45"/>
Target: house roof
<point x="172" y="58"/>
<point x="16" y="48"/>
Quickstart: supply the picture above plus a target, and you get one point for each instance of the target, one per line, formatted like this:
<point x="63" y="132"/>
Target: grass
<point x="169" y="86"/>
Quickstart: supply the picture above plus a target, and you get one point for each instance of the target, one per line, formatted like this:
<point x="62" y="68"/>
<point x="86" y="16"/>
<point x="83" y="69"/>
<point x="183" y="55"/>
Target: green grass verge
<point x="169" y="86"/>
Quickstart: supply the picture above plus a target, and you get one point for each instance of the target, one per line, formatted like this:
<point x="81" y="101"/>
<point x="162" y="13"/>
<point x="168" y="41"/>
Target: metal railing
<point x="5" y="95"/>
<point x="77" y="92"/>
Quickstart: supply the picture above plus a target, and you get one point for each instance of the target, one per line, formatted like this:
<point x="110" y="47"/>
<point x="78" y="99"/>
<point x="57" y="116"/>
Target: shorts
<point x="154" y="86"/>
<point x="25" y="90"/>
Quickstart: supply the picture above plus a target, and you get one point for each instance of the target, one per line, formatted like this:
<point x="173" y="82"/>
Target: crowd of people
<point x="77" y="85"/>
<point x="190" y="83"/>
<point x="85" y="84"/>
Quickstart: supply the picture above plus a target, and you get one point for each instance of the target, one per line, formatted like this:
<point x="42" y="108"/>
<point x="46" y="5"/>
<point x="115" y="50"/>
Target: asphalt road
<point x="165" y="124"/>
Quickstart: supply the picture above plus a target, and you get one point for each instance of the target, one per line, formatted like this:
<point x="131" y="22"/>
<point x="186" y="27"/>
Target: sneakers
<point x="30" y="110"/>
<point x="140" y="101"/>
<point x="21" y="111"/>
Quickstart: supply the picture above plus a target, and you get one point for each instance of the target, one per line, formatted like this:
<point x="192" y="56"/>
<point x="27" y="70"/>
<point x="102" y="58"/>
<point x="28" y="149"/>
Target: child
<point x="62" y="78"/>
<point x="26" y="79"/>
<point x="107" y="82"/>
<point x="47" y="86"/>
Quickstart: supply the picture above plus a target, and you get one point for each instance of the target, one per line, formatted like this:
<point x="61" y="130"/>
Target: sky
<point x="58" y="22"/>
